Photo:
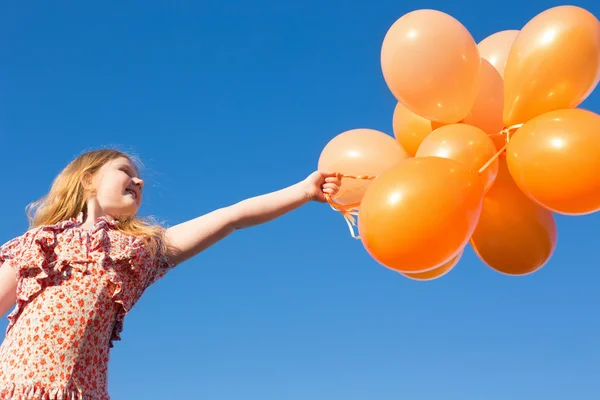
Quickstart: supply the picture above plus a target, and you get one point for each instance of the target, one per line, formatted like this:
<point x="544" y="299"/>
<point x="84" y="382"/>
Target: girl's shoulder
<point x="17" y="244"/>
<point x="67" y="240"/>
<point x="68" y="232"/>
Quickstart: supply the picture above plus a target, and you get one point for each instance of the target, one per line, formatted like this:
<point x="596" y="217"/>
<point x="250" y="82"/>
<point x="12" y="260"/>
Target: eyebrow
<point x="129" y="167"/>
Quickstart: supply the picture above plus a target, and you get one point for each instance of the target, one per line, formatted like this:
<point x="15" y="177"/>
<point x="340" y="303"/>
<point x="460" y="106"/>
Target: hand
<point x="318" y="184"/>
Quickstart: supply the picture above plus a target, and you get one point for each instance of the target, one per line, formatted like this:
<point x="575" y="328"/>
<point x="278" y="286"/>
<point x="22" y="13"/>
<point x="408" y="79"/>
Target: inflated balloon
<point x="489" y="105"/>
<point x="466" y="144"/>
<point x="495" y="48"/>
<point x="359" y="152"/>
<point x="435" y="273"/>
<point x="410" y="129"/>
<point x="420" y="213"/>
<point x="555" y="160"/>
<point x="554" y="63"/>
<point x="487" y="112"/>
<point x="514" y="235"/>
<point x="430" y="63"/>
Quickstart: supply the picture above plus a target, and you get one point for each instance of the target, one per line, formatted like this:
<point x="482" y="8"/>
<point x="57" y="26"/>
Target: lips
<point x="133" y="193"/>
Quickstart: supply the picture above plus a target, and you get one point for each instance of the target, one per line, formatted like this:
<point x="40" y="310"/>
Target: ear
<point x="87" y="181"/>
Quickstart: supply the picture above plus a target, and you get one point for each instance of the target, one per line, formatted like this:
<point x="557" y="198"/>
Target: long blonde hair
<point x="67" y="198"/>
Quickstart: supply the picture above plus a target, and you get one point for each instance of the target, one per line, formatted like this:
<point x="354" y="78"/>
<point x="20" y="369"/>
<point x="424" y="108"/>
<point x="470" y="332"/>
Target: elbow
<point x="239" y="217"/>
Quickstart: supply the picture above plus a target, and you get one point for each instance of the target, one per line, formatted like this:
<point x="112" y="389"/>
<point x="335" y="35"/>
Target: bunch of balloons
<point x="489" y="144"/>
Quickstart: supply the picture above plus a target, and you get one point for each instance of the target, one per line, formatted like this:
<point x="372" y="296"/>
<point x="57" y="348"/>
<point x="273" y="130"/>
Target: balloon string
<point x="348" y="211"/>
<point x="506" y="132"/>
<point x="494" y="157"/>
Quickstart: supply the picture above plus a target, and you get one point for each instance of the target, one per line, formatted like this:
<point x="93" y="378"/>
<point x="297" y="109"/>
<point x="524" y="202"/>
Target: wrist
<point x="306" y="191"/>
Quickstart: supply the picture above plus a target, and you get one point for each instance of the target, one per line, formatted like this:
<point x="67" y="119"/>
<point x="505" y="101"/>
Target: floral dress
<point x="74" y="288"/>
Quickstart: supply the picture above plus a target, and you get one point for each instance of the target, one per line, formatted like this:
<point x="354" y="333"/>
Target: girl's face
<point x="117" y="188"/>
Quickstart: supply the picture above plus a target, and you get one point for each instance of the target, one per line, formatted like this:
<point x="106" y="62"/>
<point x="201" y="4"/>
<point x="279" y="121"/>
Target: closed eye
<point x="128" y="172"/>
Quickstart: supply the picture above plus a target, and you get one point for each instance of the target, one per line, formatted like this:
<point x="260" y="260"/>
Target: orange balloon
<point x="420" y="213"/>
<point x="514" y="235"/>
<point x="410" y="129"/>
<point x="359" y="152"/>
<point x="487" y="110"/>
<point x="430" y="63"/>
<point x="436" y="272"/>
<point x="495" y="48"/>
<point x="555" y="160"/>
<point x="554" y="63"/>
<point x="466" y="144"/>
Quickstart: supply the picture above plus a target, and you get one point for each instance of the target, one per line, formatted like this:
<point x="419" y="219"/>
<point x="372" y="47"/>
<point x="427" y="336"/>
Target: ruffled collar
<point x="76" y="222"/>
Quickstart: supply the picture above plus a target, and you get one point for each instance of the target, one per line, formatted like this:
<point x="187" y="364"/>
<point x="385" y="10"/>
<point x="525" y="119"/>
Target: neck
<point x="94" y="211"/>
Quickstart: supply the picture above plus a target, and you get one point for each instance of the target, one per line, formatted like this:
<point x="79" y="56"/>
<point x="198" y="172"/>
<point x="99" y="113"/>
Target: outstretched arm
<point x="190" y="238"/>
<point x="8" y="287"/>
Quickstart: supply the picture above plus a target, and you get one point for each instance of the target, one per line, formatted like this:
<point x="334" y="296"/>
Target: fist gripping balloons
<point x="359" y="152"/>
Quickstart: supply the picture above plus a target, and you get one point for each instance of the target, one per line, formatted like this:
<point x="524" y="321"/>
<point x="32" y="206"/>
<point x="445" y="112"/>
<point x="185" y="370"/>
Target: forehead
<point x="121" y="162"/>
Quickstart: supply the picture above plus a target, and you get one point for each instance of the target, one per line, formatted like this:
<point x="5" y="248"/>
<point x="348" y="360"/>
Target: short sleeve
<point x="11" y="249"/>
<point x="162" y="265"/>
<point x="159" y="265"/>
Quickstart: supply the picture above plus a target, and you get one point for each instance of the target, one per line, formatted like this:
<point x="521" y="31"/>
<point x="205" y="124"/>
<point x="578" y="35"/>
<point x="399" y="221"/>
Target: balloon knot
<point x="348" y="211"/>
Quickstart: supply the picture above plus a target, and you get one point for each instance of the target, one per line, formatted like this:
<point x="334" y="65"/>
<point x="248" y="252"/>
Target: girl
<point x="88" y="258"/>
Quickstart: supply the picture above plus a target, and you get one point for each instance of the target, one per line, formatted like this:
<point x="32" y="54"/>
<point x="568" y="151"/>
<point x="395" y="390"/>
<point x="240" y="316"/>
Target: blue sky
<point x="225" y="100"/>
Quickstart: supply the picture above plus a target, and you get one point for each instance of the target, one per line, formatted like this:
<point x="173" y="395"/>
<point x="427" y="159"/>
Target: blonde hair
<point x="67" y="198"/>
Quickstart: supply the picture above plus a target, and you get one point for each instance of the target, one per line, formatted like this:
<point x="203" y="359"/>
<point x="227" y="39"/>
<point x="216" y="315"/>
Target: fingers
<point x="330" y="188"/>
<point x="336" y="179"/>
<point x="331" y="175"/>
<point x="329" y="183"/>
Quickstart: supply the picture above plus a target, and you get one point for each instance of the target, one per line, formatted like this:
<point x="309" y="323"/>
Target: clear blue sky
<point x="225" y="100"/>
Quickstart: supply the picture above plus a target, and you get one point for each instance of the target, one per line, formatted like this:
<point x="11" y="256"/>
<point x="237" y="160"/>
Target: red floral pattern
<point x="74" y="288"/>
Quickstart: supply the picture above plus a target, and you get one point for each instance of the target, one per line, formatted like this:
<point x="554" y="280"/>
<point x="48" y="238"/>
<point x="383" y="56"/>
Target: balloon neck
<point x="510" y="129"/>
<point x="348" y="211"/>
<point x="506" y="132"/>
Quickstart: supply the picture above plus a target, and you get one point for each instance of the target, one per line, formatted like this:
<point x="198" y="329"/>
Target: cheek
<point x="111" y="190"/>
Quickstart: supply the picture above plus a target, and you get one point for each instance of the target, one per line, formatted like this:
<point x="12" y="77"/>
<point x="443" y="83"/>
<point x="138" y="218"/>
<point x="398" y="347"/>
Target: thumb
<point x="331" y="174"/>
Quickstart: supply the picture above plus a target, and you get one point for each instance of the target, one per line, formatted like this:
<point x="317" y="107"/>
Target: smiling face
<point x="117" y="188"/>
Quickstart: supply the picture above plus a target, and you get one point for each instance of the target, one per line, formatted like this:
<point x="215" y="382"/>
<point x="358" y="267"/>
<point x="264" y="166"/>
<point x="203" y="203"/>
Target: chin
<point x="124" y="213"/>
<point x="130" y="213"/>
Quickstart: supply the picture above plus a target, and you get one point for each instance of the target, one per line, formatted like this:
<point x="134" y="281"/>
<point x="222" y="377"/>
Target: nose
<point x="138" y="182"/>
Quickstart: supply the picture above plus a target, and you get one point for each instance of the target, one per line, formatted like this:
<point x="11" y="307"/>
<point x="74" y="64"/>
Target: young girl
<point x="88" y="258"/>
